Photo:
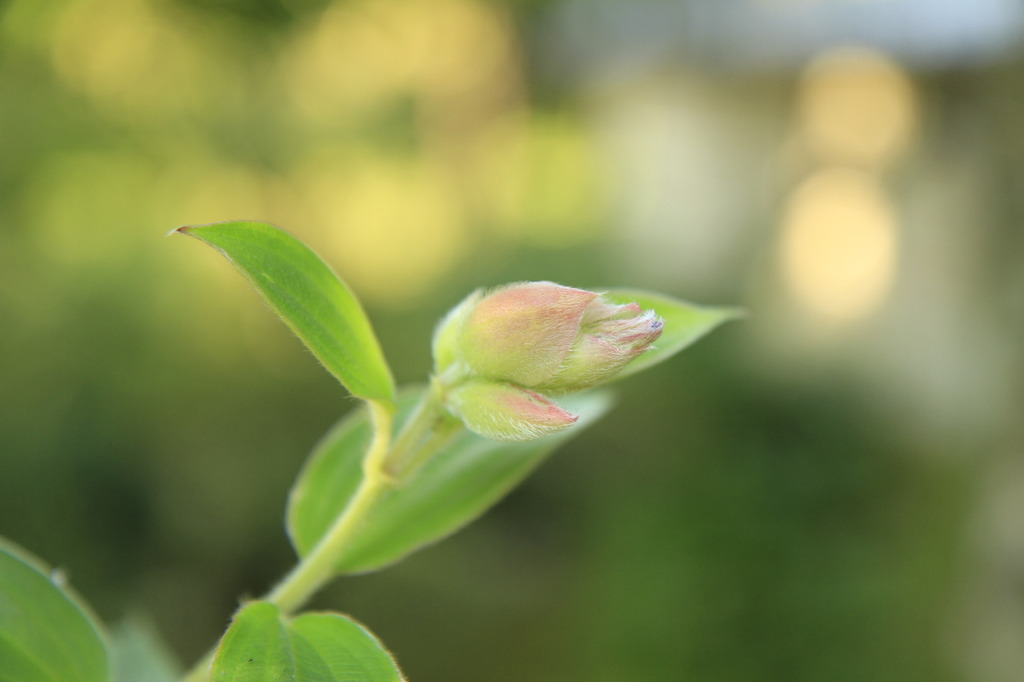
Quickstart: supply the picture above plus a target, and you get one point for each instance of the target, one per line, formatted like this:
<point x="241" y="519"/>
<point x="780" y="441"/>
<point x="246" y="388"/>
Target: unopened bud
<point x="522" y="333"/>
<point x="506" y="412"/>
<point x="543" y="335"/>
<point x="612" y="337"/>
<point x="497" y="353"/>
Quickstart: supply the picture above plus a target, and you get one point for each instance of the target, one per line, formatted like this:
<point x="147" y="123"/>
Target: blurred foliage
<point x="804" y="496"/>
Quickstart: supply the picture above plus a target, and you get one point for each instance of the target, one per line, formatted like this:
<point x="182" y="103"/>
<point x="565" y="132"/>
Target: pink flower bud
<point x="543" y="335"/>
<point x="494" y="351"/>
<point x="505" y="412"/>
<point x="522" y="333"/>
<point x="604" y="345"/>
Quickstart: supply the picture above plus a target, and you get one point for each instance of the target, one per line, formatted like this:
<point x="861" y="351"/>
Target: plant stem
<point x="317" y="567"/>
<point x="385" y="465"/>
<point x="426" y="430"/>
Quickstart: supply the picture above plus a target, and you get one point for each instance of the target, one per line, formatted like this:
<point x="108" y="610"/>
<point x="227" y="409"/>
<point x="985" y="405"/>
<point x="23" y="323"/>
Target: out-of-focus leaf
<point x="138" y="654"/>
<point x="46" y="633"/>
<point x="309" y="297"/>
<point x="684" y="324"/>
<point x="263" y="646"/>
<point x="454" y="487"/>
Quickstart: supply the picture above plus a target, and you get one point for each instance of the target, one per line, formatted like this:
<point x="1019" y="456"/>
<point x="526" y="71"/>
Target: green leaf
<point x="138" y="654"/>
<point x="46" y="633"/>
<point x="454" y="487"/>
<point x="684" y="324"/>
<point x="263" y="646"/>
<point x="309" y="297"/>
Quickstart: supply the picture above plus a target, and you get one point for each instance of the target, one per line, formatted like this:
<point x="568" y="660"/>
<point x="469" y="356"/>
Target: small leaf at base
<point x="263" y="646"/>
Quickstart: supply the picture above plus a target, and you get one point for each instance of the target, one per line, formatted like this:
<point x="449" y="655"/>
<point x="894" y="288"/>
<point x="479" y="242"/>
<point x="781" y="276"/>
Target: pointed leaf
<point x="684" y="324"/>
<point x="454" y="487"/>
<point x="309" y="297"/>
<point x="263" y="646"/>
<point x="46" y="633"/>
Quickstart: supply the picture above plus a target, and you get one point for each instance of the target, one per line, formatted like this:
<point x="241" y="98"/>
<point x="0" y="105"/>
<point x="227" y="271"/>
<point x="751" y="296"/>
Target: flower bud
<point x="446" y="335"/>
<point x="609" y="337"/>
<point x="543" y="335"/>
<point x="522" y="333"/>
<point x="505" y="412"/>
<point x="495" y="353"/>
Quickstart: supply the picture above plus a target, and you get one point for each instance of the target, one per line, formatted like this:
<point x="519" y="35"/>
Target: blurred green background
<point x="832" y="489"/>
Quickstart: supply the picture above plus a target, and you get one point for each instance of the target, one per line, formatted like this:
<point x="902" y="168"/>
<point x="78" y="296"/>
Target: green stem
<point x="384" y="466"/>
<point x="317" y="567"/>
<point x="426" y="430"/>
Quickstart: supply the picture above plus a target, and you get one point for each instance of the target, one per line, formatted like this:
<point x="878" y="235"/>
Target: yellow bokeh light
<point x="360" y="55"/>
<point x="856" y="106"/>
<point x="395" y="226"/>
<point x="457" y="46"/>
<point x="344" y="62"/>
<point x="124" y="55"/>
<point x="839" y="244"/>
<point x="539" y="176"/>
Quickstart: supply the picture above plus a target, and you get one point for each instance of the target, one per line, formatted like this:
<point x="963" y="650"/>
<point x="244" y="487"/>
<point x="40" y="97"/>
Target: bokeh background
<point x="831" y="489"/>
